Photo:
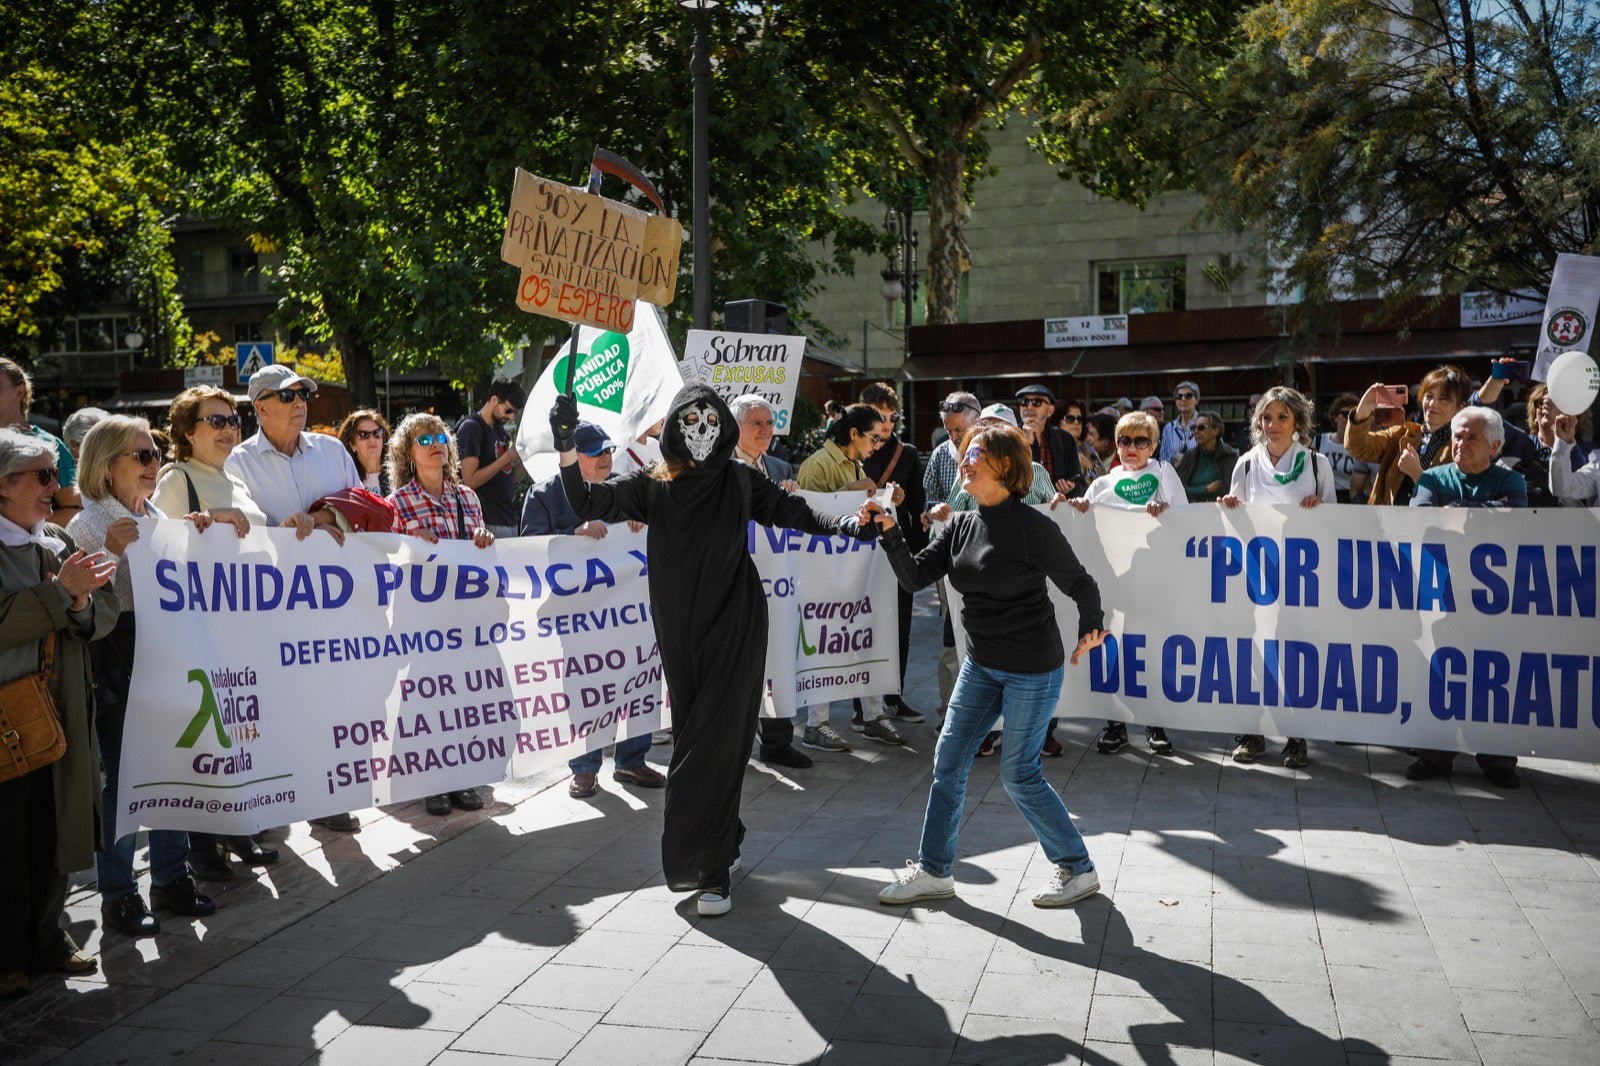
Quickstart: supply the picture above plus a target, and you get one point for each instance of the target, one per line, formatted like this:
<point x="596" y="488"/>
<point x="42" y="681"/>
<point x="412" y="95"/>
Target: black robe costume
<point x="710" y="616"/>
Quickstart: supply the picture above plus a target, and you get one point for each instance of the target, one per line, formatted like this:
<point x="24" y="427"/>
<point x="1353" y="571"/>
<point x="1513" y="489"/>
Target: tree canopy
<point x="1397" y="147"/>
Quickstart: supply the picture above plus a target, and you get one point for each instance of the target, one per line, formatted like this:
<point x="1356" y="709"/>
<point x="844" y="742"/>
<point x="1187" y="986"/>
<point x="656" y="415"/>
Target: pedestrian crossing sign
<point x="252" y="357"/>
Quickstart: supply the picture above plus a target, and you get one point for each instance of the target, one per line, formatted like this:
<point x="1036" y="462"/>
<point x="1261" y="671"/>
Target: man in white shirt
<point x="285" y="468"/>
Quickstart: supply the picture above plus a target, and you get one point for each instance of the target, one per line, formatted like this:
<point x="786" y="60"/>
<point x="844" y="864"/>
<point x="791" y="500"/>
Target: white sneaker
<point x="1066" y="888"/>
<point x="915" y="883"/>
<point x="712" y="902"/>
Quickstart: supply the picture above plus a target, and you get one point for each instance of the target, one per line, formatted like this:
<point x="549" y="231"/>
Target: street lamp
<point x="700" y="71"/>
<point x="900" y="267"/>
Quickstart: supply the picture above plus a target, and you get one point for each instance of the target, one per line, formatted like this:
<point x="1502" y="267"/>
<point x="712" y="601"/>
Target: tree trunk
<point x="947" y="247"/>
<point x="359" y="372"/>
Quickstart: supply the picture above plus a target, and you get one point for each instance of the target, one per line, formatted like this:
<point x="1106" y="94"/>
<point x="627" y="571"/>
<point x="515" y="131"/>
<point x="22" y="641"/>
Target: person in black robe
<point x="709" y="611"/>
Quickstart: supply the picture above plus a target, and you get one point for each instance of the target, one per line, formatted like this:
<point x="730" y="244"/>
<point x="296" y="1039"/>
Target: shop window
<point x="1154" y="285"/>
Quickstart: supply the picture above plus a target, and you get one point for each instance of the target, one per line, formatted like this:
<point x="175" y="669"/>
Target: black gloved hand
<point x="564" y="422"/>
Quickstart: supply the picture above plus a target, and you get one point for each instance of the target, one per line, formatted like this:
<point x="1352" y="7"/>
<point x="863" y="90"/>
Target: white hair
<point x="743" y="404"/>
<point x="1494" y="427"/>
<point x="18" y="449"/>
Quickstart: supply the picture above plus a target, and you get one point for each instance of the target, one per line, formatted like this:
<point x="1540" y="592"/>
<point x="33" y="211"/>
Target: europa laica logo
<point x="234" y="717"/>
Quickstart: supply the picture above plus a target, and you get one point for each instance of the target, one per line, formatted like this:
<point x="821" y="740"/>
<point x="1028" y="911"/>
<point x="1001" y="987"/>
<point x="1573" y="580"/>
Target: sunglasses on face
<point x="972" y="456"/>
<point x="221" y="422"/>
<point x="948" y="408"/>
<point x="146" y="456"/>
<point x="1184" y="396"/>
<point x="370" y="434"/>
<point x="428" y="440"/>
<point x="1072" y="418"/>
<point x="291" y="395"/>
<point x="1034" y="401"/>
<point x="47" y="476"/>
<point x="1133" y="442"/>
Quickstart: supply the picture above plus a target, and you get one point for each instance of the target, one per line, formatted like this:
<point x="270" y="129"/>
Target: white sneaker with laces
<point x="914" y="883"/>
<point x="1066" y="888"/>
<point x="714" y="901"/>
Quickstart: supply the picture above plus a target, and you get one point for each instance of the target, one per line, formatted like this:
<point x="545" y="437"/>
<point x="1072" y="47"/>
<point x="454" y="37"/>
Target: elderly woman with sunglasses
<point x="49" y="592"/>
<point x="204" y="426"/>
<point x="1138" y="483"/>
<point x="432" y="503"/>
<point x="117" y="475"/>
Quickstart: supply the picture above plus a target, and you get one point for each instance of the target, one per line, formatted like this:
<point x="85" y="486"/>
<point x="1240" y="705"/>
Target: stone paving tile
<point x="514" y="1029"/>
<point x="1001" y="1040"/>
<point x="223" y="1053"/>
<point x="1248" y="1042"/>
<point x="764" y="1036"/>
<point x="1550" y="1011"/>
<point x="1532" y="1050"/>
<point x="1400" y="1013"/>
<point x="1134" y="1020"/>
<point x="362" y="1045"/>
<point x="424" y="1005"/>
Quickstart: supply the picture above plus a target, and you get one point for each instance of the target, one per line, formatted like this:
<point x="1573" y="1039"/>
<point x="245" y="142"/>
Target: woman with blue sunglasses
<point x="433" y="504"/>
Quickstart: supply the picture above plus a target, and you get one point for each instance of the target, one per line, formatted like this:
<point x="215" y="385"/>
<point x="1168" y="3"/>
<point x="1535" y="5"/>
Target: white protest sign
<point x="624" y="384"/>
<point x="1569" y="311"/>
<point x="1463" y="630"/>
<point x="736" y="363"/>
<point x="282" y="680"/>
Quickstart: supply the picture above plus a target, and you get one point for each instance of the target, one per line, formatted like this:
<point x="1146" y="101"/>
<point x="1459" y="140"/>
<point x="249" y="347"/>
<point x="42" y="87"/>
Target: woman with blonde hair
<point x="433" y="504"/>
<point x="1283" y="467"/>
<point x="117" y="476"/>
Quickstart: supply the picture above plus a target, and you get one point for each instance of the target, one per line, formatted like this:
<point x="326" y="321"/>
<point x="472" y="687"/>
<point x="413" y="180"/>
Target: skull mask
<point x="698" y="425"/>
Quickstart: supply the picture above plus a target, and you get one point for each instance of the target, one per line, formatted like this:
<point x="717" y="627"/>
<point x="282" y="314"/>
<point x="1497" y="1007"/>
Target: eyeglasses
<point x="948" y="408"/>
<point x="1185" y="396"/>
<point x="1072" y="418"/>
<point x="46" y="476"/>
<point x="972" y="456"/>
<point x="146" y="456"/>
<point x="369" y="434"/>
<point x="877" y="440"/>
<point x="1033" y="401"/>
<point x="221" y="422"/>
<point x="428" y="440"/>
<point x="1133" y="442"/>
<point x="1202" y="427"/>
<point x="291" y="395"/>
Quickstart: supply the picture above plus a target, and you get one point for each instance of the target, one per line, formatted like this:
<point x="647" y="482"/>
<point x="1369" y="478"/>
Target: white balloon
<point x="1573" y="380"/>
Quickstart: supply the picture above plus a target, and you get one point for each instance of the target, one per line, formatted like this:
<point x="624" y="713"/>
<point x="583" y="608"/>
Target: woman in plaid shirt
<point x="434" y="505"/>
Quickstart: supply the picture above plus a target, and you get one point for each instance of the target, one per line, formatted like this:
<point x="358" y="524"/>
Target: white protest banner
<point x="1464" y="630"/>
<point x="624" y="385"/>
<point x="1569" y="311"/>
<point x="277" y="680"/>
<point x="840" y="638"/>
<point x="736" y="363"/>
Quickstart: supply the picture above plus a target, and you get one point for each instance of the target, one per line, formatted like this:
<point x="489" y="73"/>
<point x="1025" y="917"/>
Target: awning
<point x="958" y="366"/>
<point x="1468" y="346"/>
<point x="143" y="401"/>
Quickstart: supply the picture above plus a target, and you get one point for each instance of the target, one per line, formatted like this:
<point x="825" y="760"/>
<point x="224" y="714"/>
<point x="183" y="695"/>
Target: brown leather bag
<point x="30" y="727"/>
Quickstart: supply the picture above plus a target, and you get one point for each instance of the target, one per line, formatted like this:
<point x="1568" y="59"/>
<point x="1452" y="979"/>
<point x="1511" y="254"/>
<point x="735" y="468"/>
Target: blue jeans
<point x="1027" y="702"/>
<point x="112" y="660"/>
<point x="629" y="755"/>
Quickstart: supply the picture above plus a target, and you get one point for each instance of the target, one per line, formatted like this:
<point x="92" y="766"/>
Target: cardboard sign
<point x="586" y="259"/>
<point x="580" y="254"/>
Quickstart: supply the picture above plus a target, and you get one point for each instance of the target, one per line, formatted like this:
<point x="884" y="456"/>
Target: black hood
<point x="673" y="444"/>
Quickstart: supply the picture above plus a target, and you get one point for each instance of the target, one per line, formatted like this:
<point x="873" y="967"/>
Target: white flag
<point x="1569" y="313"/>
<point x="624" y="384"/>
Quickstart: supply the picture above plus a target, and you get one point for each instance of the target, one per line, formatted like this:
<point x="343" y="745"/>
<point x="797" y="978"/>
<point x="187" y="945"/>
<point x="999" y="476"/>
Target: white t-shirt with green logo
<point x="1135" y="490"/>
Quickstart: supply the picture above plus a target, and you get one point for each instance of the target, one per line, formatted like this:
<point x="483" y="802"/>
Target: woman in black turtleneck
<point x="998" y="558"/>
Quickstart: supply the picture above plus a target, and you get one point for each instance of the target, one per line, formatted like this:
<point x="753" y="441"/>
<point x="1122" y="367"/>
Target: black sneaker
<point x="1112" y="739"/>
<point x="129" y="916"/>
<point x="1247" y="747"/>
<point x="467" y="799"/>
<point x="437" y="805"/>
<point x="208" y="865"/>
<point x="901" y="711"/>
<point x="1295" y="756"/>
<point x="1156" y="738"/>
<point x="182" y="896"/>
<point x="787" y="756"/>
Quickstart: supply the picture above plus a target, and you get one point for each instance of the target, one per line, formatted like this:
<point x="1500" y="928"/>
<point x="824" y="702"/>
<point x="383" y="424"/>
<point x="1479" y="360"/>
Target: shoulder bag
<point x="30" y="728"/>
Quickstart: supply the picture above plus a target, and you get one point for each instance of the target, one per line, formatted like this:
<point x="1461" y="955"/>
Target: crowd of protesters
<point x="70" y="507"/>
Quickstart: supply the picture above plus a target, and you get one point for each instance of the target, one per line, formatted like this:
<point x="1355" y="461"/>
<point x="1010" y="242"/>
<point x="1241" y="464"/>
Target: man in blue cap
<point x="546" y="511"/>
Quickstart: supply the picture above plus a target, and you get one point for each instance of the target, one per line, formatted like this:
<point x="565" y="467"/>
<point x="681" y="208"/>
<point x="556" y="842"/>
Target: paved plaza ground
<point x="1337" y="914"/>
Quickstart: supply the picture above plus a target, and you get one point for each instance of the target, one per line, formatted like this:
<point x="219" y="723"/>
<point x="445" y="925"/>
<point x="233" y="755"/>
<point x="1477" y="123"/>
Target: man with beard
<point x="489" y="464"/>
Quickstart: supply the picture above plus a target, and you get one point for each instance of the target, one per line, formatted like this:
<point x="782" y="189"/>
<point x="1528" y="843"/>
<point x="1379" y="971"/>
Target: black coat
<point x="1063" y="463"/>
<point x="710" y="616"/>
<point x="907" y="473"/>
